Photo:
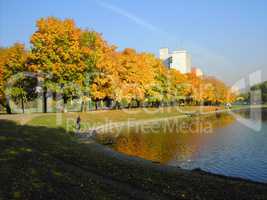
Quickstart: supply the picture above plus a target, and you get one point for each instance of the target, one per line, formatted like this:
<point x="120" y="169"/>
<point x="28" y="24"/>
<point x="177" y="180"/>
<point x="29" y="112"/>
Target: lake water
<point x="221" y="143"/>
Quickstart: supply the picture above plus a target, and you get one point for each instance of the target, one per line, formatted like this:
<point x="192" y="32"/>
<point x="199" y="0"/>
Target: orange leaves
<point x="136" y="73"/>
<point x="74" y="55"/>
<point x="57" y="48"/>
<point x="105" y="77"/>
<point x="1" y="75"/>
<point x="13" y="60"/>
<point x="124" y="75"/>
<point x="214" y="90"/>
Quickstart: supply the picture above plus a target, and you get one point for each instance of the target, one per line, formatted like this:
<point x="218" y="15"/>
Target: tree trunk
<point x="45" y="100"/>
<point x="138" y="103"/>
<point x="82" y="106"/>
<point x="22" y="104"/>
<point x="8" y="108"/>
<point x="96" y="104"/>
<point x="65" y="101"/>
<point x="5" y="104"/>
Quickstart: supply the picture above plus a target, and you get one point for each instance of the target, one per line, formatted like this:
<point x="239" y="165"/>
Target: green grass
<point x="236" y="107"/>
<point x="44" y="163"/>
<point x="40" y="160"/>
<point x="94" y="118"/>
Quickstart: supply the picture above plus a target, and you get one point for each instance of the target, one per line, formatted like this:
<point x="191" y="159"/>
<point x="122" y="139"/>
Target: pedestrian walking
<point x="78" y="123"/>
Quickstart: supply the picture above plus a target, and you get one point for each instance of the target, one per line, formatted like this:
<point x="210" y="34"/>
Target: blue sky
<point x="226" y="38"/>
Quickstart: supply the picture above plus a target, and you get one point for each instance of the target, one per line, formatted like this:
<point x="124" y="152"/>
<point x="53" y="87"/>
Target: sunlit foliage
<point x="79" y="63"/>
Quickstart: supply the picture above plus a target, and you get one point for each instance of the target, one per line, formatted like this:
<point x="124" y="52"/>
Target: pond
<point x="223" y="143"/>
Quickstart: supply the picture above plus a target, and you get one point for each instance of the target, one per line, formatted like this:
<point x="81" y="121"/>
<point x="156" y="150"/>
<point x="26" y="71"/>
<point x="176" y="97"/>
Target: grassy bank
<point x="95" y="118"/>
<point x="39" y="160"/>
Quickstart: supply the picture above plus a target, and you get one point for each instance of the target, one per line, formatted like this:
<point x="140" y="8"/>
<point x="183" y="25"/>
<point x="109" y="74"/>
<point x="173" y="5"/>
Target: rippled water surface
<point x="222" y="143"/>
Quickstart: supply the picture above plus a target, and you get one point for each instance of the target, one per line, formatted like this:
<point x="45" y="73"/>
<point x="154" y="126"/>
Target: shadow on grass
<point x="40" y="163"/>
<point x="48" y="163"/>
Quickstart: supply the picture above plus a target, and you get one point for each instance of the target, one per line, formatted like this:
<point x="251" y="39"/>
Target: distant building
<point x="180" y="60"/>
<point x="197" y="71"/>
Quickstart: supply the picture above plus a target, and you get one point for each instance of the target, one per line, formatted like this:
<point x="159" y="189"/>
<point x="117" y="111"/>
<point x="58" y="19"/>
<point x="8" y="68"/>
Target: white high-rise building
<point x="180" y="60"/>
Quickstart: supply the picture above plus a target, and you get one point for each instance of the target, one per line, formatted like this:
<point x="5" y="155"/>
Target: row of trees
<point x="78" y="63"/>
<point x="262" y="87"/>
<point x="256" y="95"/>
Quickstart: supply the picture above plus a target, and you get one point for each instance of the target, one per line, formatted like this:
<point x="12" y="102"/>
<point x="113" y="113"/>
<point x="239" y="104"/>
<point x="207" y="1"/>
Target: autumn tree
<point x="123" y="76"/>
<point x="62" y="50"/>
<point x="136" y="74"/>
<point x="12" y="63"/>
<point x="159" y="89"/>
<point x="215" y="91"/>
<point x="105" y="81"/>
<point x="79" y="63"/>
<point x="179" y="87"/>
<point x="195" y="86"/>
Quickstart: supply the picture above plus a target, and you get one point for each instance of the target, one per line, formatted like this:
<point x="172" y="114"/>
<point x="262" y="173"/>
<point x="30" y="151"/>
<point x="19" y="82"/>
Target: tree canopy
<point x="80" y="63"/>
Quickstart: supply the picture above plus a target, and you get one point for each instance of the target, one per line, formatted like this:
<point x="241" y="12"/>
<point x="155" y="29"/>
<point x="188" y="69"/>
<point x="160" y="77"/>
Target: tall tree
<point x="137" y="75"/>
<point x="62" y="50"/>
<point x="12" y="62"/>
<point x="105" y="74"/>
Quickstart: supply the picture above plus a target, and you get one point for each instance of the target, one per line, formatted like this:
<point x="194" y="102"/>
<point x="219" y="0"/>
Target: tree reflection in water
<point x="167" y="140"/>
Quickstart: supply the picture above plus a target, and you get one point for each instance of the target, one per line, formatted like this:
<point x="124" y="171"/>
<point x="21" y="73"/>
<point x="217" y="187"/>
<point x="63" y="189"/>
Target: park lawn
<point x="95" y="118"/>
<point x="40" y="160"/>
<point x="237" y="107"/>
<point x="45" y="163"/>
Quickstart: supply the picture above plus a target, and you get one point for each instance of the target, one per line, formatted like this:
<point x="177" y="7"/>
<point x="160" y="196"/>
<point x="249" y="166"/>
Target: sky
<point x="227" y="39"/>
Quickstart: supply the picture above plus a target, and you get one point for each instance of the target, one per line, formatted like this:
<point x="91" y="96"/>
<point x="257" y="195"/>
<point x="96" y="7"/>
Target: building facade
<point x="179" y="60"/>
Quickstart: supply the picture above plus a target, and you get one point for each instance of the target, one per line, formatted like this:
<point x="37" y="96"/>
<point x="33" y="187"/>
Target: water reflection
<point x="168" y="140"/>
<point x="217" y="143"/>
